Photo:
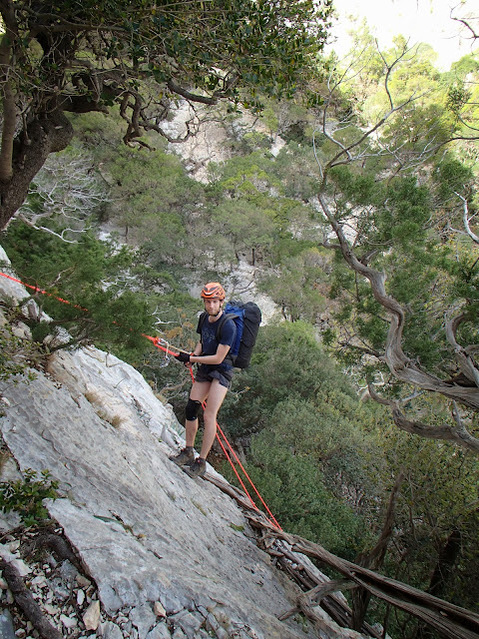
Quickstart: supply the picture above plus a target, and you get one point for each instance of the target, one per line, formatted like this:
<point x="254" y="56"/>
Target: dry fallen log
<point x="453" y="622"/>
<point x="25" y="601"/>
<point x="450" y="620"/>
<point x="309" y="601"/>
<point x="336" y="607"/>
<point x="291" y="564"/>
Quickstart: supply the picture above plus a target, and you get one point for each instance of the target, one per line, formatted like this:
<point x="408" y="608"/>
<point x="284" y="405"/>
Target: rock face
<point x="170" y="556"/>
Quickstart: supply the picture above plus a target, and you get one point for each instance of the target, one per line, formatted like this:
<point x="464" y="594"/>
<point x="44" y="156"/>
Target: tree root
<point x="25" y="601"/>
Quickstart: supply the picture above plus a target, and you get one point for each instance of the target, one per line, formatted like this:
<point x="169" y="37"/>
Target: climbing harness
<point x="163" y="345"/>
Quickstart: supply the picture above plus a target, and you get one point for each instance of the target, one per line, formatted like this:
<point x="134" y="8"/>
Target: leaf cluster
<point x="25" y="496"/>
<point x="115" y="47"/>
<point x="85" y="288"/>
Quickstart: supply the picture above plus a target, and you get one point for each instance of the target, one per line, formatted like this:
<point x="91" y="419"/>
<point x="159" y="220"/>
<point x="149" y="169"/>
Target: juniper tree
<point x="401" y="203"/>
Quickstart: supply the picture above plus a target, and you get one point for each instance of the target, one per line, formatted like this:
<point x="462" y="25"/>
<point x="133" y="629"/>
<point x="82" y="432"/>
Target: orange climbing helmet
<point x="212" y="290"/>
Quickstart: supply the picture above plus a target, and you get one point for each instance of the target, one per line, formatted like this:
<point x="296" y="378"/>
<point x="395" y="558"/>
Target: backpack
<point x="247" y="317"/>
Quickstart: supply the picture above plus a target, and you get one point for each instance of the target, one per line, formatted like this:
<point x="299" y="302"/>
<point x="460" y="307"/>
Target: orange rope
<point x="36" y="289"/>
<point x="157" y="342"/>
<point x="238" y="461"/>
<point x="273" y="519"/>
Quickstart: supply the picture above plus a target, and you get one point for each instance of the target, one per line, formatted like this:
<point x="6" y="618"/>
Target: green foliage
<point x="25" y="496"/>
<point x="325" y="463"/>
<point x="452" y="176"/>
<point x="152" y="198"/>
<point x="140" y="60"/>
<point x="86" y="293"/>
<point x="294" y="488"/>
<point x="241" y="213"/>
<point x="299" y="287"/>
<point x="287" y="363"/>
<point x="406" y="213"/>
<point x="264" y="46"/>
<point x="248" y="175"/>
<point x="249" y="214"/>
<point x="461" y="100"/>
<point x="100" y="132"/>
<point x="249" y="229"/>
<point x="251" y="142"/>
<point x="16" y="355"/>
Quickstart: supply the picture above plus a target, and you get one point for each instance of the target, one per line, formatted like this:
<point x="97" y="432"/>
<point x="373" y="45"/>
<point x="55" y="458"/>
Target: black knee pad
<point x="192" y="409"/>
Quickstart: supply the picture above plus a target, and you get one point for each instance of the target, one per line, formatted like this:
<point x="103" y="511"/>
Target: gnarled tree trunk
<point x="30" y="151"/>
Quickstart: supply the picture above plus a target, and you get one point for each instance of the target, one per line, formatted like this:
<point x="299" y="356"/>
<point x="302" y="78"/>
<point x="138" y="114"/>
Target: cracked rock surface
<point x="144" y="530"/>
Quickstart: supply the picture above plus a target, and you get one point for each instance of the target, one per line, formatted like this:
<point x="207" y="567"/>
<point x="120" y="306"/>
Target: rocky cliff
<point x="153" y="553"/>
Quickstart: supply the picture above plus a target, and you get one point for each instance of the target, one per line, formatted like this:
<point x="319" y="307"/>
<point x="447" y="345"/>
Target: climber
<point x="213" y="379"/>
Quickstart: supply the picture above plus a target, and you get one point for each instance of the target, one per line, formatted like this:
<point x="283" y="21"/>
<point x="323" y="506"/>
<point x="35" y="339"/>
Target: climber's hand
<point x="183" y="357"/>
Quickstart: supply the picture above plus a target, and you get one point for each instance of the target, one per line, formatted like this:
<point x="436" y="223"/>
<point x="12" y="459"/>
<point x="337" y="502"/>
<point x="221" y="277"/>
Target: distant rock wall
<point x="213" y="137"/>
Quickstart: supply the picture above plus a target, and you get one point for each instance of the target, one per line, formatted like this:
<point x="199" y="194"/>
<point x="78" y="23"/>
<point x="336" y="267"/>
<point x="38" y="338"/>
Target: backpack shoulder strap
<point x="201" y="321"/>
<point x="224" y="318"/>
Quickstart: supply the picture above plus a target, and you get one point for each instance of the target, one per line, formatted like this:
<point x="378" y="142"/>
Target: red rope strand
<point x="238" y="461"/>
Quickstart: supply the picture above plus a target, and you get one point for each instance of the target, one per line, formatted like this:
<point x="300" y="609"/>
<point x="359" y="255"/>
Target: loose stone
<point x="91" y="618"/>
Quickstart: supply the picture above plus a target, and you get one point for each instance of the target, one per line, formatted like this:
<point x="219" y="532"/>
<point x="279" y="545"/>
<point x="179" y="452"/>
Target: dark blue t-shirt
<point x="209" y="343"/>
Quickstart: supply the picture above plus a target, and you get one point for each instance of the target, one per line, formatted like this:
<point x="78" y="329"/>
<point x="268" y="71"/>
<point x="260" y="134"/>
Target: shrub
<point x="25" y="496"/>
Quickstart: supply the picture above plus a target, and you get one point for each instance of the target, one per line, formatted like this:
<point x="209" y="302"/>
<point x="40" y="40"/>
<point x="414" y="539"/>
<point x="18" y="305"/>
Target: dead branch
<point x="450" y="620"/>
<point x="466" y="22"/>
<point x="465" y="361"/>
<point x="24" y="599"/>
<point x="45" y="229"/>
<point x="309" y="602"/>
<point x="317" y="594"/>
<point x="375" y="558"/>
<point x="466" y="219"/>
<point x="345" y="154"/>
<point x="457" y="433"/>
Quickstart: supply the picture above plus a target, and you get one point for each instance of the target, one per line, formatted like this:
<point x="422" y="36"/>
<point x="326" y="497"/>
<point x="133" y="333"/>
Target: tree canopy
<point x="89" y="56"/>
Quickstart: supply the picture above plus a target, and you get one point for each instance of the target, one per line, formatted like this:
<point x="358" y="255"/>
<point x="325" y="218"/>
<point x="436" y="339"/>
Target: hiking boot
<point x="185" y="456"/>
<point x="196" y="468"/>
